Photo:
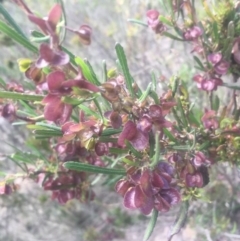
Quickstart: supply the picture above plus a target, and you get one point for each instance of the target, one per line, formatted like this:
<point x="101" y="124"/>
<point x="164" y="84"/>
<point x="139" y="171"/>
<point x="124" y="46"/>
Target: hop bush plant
<point x="158" y="148"/>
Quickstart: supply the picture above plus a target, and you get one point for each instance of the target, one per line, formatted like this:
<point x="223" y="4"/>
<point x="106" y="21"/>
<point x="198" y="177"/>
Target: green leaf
<point x="154" y="81"/>
<point x="193" y="119"/>
<point x="133" y="150"/>
<point x="123" y="62"/>
<point x="44" y="39"/>
<point x="167" y="34"/>
<point x="89" y="112"/>
<point x="62" y="34"/>
<point x="107" y="139"/>
<point x="180" y="220"/>
<point x="20" y="96"/>
<point x="175" y="84"/>
<point x="87" y="71"/>
<point x="137" y="22"/>
<point x="2" y="83"/>
<point x="104" y="71"/>
<point x="183" y="116"/>
<point x="204" y="146"/>
<point x="155" y="97"/>
<point x="110" y="131"/>
<point x="47" y="133"/>
<point x="198" y="61"/>
<point x="181" y="148"/>
<point x="169" y="135"/>
<point x="96" y="81"/>
<point x="77" y="166"/>
<point x="156" y="156"/>
<point x="165" y="20"/>
<point x="11" y="21"/>
<point x="151" y="225"/>
<point x="17" y="37"/>
<point x="215" y="31"/>
<point x="74" y="101"/>
<point x="117" y="151"/>
<point x="48" y="126"/>
<point x="145" y="94"/>
<point x="99" y="109"/>
<point x="215" y="102"/>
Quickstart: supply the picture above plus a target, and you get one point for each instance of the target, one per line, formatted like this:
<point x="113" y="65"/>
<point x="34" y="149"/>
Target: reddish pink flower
<point x="134" y="135"/>
<point x="154" y="22"/>
<point x="146" y="189"/>
<point x="207" y="83"/>
<point x="48" y="24"/>
<point x="50" y="56"/>
<point x="209" y="120"/>
<point x="200" y="159"/>
<point x="220" y="65"/>
<point x="193" y="33"/>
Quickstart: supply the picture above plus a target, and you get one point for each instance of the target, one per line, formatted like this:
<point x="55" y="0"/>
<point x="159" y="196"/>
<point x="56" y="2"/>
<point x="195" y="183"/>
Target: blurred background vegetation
<point x="30" y="215"/>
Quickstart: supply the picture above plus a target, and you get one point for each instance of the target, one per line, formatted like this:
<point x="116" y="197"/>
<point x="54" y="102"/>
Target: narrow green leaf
<point x="133" y="150"/>
<point x="151" y="225"/>
<point x="11" y="21"/>
<point x="44" y="39"/>
<point x="110" y="131"/>
<point x="215" y="102"/>
<point x="107" y="139"/>
<point x="24" y="157"/>
<point x="169" y="135"/>
<point x="198" y="61"/>
<point x="18" y="164"/>
<point x="215" y="31"/>
<point x="99" y="109"/>
<point x="48" y="133"/>
<point x="204" y="145"/>
<point x="74" y="101"/>
<point x="154" y="81"/>
<point x="28" y="108"/>
<point x="145" y="94"/>
<point x="165" y="20"/>
<point x="169" y="35"/>
<point x="89" y="112"/>
<point x="179" y="121"/>
<point x="183" y="116"/>
<point x="20" y="96"/>
<point x="155" y="97"/>
<point x="62" y="34"/>
<point x="175" y="84"/>
<point x="137" y="22"/>
<point x="94" y="76"/>
<point x="156" y="156"/>
<point x="104" y="71"/>
<point x="48" y="126"/>
<point x="87" y="72"/>
<point x="180" y="220"/>
<point x="151" y="144"/>
<point x="181" y="148"/>
<point x="2" y="83"/>
<point x="193" y="119"/>
<point x="123" y="62"/>
<point x="17" y="37"/>
<point x="77" y="166"/>
<point x="117" y="151"/>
